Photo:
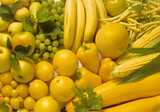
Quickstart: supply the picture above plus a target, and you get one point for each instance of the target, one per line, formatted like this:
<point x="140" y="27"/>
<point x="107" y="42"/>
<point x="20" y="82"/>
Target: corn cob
<point x="148" y="40"/>
<point x="131" y="65"/>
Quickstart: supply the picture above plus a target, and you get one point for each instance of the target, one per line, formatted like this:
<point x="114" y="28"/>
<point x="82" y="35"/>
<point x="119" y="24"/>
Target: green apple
<point x="14" y="28"/>
<point x="3" y="39"/>
<point x="5" y="56"/>
<point x="25" y="73"/>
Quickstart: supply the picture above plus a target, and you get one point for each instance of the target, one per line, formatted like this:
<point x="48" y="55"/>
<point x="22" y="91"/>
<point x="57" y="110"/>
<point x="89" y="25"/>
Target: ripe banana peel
<point x="70" y="23"/>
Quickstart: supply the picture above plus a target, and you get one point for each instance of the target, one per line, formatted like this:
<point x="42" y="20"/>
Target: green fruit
<point x="14" y="28"/>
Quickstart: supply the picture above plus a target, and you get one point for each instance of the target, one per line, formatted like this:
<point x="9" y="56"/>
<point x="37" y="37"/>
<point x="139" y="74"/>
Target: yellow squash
<point x="115" y="94"/>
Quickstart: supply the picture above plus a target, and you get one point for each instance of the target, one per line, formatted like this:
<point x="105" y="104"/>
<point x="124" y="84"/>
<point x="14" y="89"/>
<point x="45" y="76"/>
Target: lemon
<point x="21" y="13"/>
<point x="3" y="24"/>
<point x="61" y="88"/>
<point x="6" y="78"/>
<point x="46" y="104"/>
<point x="38" y="89"/>
<point x="29" y="103"/>
<point x="22" y="90"/>
<point x="65" y="63"/>
<point x="45" y="71"/>
<point x="14" y="28"/>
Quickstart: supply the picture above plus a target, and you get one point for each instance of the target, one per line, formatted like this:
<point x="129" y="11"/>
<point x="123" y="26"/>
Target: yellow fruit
<point x="6" y="78"/>
<point x="1" y="85"/>
<point x="3" y="39"/>
<point x="3" y="24"/>
<point x="22" y="90"/>
<point x="111" y="39"/>
<point x="6" y="100"/>
<point x="7" y="2"/>
<point x="61" y="88"/>
<point x="46" y="104"/>
<point x="38" y="89"/>
<point x="14" y="28"/>
<point x="65" y="63"/>
<point x="45" y="71"/>
<point x="115" y="7"/>
<point x="22" y="110"/>
<point x="33" y="9"/>
<point x="25" y="3"/>
<point x="1" y="100"/>
<point x="10" y="108"/>
<point x="6" y="90"/>
<point x="29" y="103"/>
<point x="14" y="84"/>
<point x="21" y="13"/>
<point x="15" y="102"/>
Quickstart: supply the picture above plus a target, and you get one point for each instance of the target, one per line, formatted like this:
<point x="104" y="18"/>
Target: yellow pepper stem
<point x="85" y="47"/>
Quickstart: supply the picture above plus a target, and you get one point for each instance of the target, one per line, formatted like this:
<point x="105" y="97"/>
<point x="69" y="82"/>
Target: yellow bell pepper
<point x="86" y="77"/>
<point x="107" y="66"/>
<point x="88" y="56"/>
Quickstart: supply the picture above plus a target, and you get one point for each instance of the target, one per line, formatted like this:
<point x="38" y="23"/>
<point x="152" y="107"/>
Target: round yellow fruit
<point x="6" y="78"/>
<point x="14" y="28"/>
<point x="45" y="71"/>
<point x="111" y="39"/>
<point x="15" y="102"/>
<point x="1" y="85"/>
<point x="38" y="89"/>
<point x="22" y="90"/>
<point x="3" y="39"/>
<point x="65" y="63"/>
<point x="29" y="103"/>
<point x="21" y="13"/>
<point x="25" y="73"/>
<point x="22" y="110"/>
<point x="46" y="104"/>
<point x="1" y="100"/>
<point x="115" y="7"/>
<point x="14" y="84"/>
<point x="6" y="100"/>
<point x="61" y="88"/>
<point x="24" y="39"/>
<point x="3" y="24"/>
<point x="6" y="90"/>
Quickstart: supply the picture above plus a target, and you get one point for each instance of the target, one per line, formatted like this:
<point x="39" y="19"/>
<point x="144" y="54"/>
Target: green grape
<point x="55" y="43"/>
<point x="54" y="6"/>
<point x="37" y="42"/>
<point x="37" y="37"/>
<point x="61" y="41"/>
<point x="56" y="16"/>
<point x="47" y="41"/>
<point x="59" y="3"/>
<point x="63" y="9"/>
<point x="59" y="10"/>
<point x="37" y="46"/>
<point x="39" y="59"/>
<point x="51" y="55"/>
<point x="37" y="51"/>
<point x="44" y="3"/>
<point x="53" y="19"/>
<point x="50" y="1"/>
<point x="53" y="11"/>
<point x="41" y="37"/>
<point x="49" y="48"/>
<point x="55" y="49"/>
<point x="54" y="37"/>
<point x="62" y="27"/>
<point x="61" y="18"/>
<point x="62" y="1"/>
<point x="41" y="46"/>
<point x="61" y="35"/>
<point x="35" y="56"/>
<point x="58" y="24"/>
<point x="45" y="55"/>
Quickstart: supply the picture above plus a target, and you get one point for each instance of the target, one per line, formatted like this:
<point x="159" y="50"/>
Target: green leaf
<point x="137" y="7"/>
<point x="22" y="52"/>
<point x="146" y="70"/>
<point x="44" y="15"/>
<point x="28" y="24"/>
<point x="14" y="62"/>
<point x="21" y="103"/>
<point x="6" y="13"/>
<point x="9" y="45"/>
<point x="16" y="5"/>
<point x="87" y="102"/>
<point x="4" y="108"/>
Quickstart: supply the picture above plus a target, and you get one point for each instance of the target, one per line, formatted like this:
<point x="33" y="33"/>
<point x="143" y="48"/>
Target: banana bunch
<point x="81" y="21"/>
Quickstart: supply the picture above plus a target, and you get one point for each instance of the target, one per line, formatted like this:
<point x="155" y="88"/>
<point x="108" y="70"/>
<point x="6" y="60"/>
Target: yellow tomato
<point x="46" y="104"/>
<point x="6" y="100"/>
<point x="115" y="7"/>
<point x="38" y="89"/>
<point x="45" y="71"/>
<point x="14" y="84"/>
<point x="15" y="102"/>
<point x="6" y="90"/>
<point x="6" y="78"/>
<point x="22" y="110"/>
<point x="61" y="88"/>
<point x="29" y="103"/>
<point x="22" y="90"/>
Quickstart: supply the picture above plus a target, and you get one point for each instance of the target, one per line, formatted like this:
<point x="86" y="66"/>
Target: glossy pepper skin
<point x="88" y="56"/>
<point x="107" y="66"/>
<point x="86" y="77"/>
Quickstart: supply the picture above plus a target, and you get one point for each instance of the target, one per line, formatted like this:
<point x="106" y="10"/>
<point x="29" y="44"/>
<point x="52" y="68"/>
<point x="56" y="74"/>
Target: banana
<point x="70" y="23"/>
<point x="80" y="26"/>
<point x="91" y="19"/>
<point x="102" y="12"/>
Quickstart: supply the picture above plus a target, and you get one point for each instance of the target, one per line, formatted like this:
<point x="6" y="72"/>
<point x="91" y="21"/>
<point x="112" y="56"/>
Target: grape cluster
<point x="46" y="47"/>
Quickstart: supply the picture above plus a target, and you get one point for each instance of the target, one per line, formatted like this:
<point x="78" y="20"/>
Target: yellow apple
<point x="25" y="73"/>
<point x="3" y="39"/>
<point x="25" y="39"/>
<point x="3" y="24"/>
<point x="5" y="56"/>
<point x="14" y="28"/>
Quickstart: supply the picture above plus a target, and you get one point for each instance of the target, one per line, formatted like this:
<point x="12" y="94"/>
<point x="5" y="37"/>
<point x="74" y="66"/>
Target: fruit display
<point x="79" y="56"/>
